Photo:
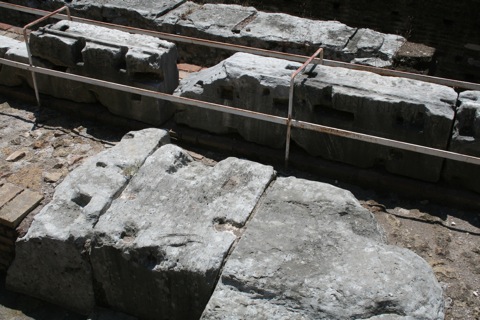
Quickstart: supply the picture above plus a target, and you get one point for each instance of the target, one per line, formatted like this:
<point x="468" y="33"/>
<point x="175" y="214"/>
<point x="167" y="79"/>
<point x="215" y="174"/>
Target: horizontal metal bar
<point x="386" y="142"/>
<point x="252" y="114"/>
<point x="149" y="93"/>
<point x="275" y="54"/>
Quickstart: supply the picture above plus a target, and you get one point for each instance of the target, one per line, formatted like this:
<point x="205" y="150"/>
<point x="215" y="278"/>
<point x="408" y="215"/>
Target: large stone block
<point x="466" y="140"/>
<point x="312" y="252"/>
<point x="242" y="81"/>
<point x="158" y="250"/>
<point x="135" y="60"/>
<point x="52" y="260"/>
<point x="283" y="32"/>
<point x="57" y="87"/>
<point x="393" y="108"/>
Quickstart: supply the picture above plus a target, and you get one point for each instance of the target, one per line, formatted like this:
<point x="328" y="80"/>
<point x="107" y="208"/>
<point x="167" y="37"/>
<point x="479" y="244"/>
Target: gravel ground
<point x="54" y="144"/>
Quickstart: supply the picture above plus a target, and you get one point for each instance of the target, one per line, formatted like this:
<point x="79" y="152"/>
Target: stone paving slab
<point x="312" y="252"/>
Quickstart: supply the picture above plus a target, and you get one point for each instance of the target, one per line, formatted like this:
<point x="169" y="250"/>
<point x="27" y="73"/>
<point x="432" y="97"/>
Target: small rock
<point x="74" y="159"/>
<point x="17" y="155"/>
<point x="38" y="144"/>
<point x="58" y="166"/>
<point x="52" y="176"/>
<point x="77" y="130"/>
<point x="453" y="223"/>
<point x="475" y="293"/>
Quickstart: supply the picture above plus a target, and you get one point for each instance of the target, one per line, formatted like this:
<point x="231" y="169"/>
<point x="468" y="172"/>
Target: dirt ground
<point x="54" y="144"/>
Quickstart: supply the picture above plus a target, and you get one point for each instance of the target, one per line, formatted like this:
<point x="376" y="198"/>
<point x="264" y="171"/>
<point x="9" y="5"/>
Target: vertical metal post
<point x="27" y="39"/>
<point x="290" y="101"/>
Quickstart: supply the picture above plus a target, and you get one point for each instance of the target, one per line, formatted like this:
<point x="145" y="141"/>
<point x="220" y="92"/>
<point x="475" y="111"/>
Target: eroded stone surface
<point x="394" y="108"/>
<point x="312" y="252"/>
<point x="170" y="231"/>
<point x="52" y="261"/>
<point x="466" y="140"/>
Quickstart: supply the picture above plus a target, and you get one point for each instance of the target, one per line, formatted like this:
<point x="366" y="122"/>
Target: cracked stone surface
<point x="312" y="252"/>
<point x="359" y="101"/>
<point x="52" y="261"/>
<point x="465" y="140"/>
<point x="158" y="250"/>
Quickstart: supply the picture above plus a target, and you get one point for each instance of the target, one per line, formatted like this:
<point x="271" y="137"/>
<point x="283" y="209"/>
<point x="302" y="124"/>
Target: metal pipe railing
<point x="252" y="114"/>
<point x="262" y="52"/>
<point x="25" y="37"/>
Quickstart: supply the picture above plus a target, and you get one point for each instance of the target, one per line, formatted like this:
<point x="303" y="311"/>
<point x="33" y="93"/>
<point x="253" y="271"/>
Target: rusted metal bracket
<point x="290" y="100"/>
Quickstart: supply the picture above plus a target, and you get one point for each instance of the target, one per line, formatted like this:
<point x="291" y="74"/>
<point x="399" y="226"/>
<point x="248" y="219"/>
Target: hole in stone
<point x="82" y="199"/>
<point x="146" y="76"/>
<point x="199" y="83"/>
<point x="290" y="67"/>
<point x="65" y="27"/>
<point x="448" y="22"/>
<point x="129" y="136"/>
<point x="226" y="93"/>
<point x="311" y="74"/>
<point x="101" y="164"/>
<point x="334" y="114"/>
<point x="280" y="104"/>
<point x="60" y="68"/>
<point x="466" y="131"/>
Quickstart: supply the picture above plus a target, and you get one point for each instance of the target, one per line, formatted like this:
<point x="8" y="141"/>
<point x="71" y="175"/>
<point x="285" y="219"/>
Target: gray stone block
<point x="116" y="56"/>
<point x="393" y="108"/>
<point x="52" y="260"/>
<point x="312" y="252"/>
<point x="364" y="102"/>
<point x="283" y="32"/>
<point x="466" y="140"/>
<point x="242" y="81"/>
<point x="57" y="87"/>
<point x="159" y="248"/>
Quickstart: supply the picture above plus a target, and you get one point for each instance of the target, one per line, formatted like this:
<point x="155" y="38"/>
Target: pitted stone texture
<point x="111" y="55"/>
<point x="466" y="140"/>
<point x="52" y="261"/>
<point x="373" y="48"/>
<point x="159" y="248"/>
<point x="244" y="82"/>
<point x="393" y="108"/>
<point x="139" y="13"/>
<point x="312" y="252"/>
<point x="60" y="88"/>
<point x="283" y="32"/>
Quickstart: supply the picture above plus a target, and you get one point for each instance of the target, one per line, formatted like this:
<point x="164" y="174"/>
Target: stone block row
<point x="393" y="108"/>
<point x="135" y="60"/>
<point x="145" y="229"/>
<point x="240" y="25"/>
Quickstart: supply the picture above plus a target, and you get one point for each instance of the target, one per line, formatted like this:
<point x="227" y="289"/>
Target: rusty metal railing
<point x="251" y="114"/>
<point x="27" y="43"/>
